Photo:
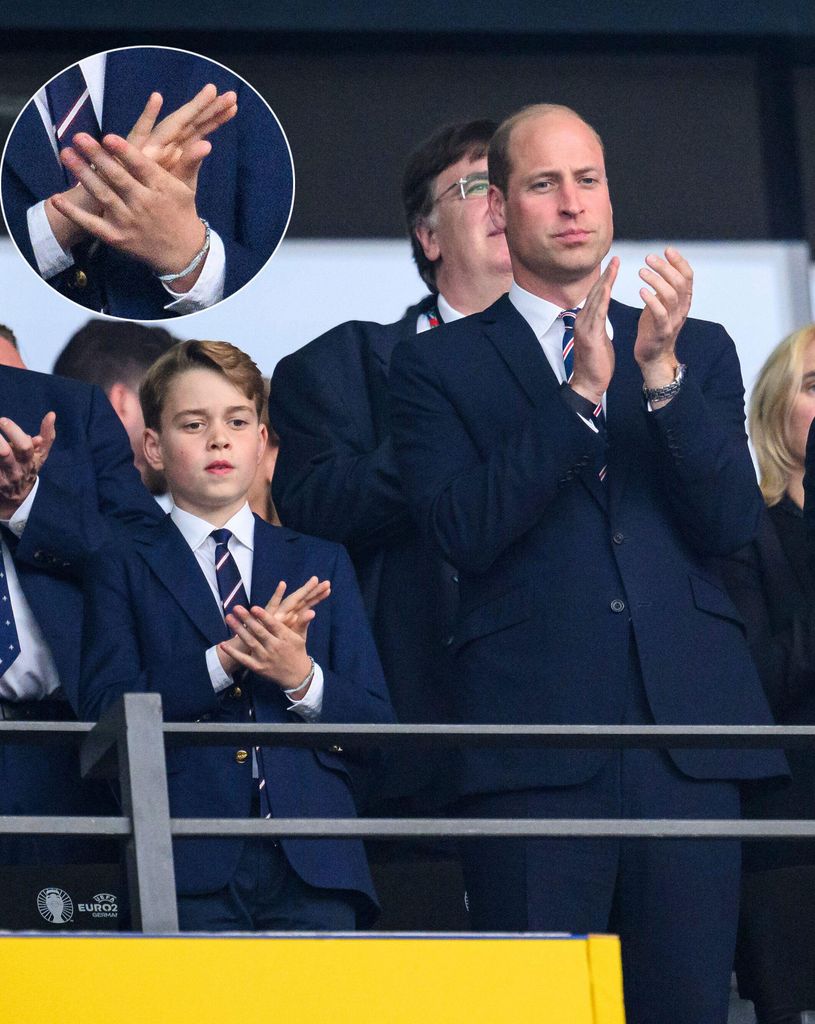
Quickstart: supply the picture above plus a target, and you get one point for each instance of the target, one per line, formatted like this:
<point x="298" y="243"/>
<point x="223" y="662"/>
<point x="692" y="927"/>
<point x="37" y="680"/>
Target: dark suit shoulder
<point x="31" y="383"/>
<point x="283" y="536"/>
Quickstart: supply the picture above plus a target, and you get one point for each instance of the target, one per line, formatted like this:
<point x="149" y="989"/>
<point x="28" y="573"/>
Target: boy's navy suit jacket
<point x="152" y="616"/>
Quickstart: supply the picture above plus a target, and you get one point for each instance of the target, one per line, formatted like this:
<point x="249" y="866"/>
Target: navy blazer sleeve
<point x="334" y="477"/>
<point x="82" y="488"/>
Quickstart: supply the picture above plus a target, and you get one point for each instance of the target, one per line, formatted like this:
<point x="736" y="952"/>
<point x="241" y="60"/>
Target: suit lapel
<point x="172" y="561"/>
<point x="520" y="349"/>
<point x="36" y="164"/>
<point x="272" y="561"/>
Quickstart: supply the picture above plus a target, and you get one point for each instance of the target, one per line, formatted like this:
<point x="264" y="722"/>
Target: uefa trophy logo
<point x="55" y="905"/>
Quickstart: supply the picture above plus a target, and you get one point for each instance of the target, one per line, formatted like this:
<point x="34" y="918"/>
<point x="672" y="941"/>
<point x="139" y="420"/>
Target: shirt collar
<point x="196" y="531"/>
<point x="539" y="313"/>
<point x="446" y="311"/>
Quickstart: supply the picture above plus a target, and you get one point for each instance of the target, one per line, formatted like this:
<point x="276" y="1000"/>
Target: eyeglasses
<point x="471" y="186"/>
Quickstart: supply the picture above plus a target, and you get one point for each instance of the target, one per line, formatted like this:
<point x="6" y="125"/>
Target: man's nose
<point x="218" y="437"/>
<point x="570" y="198"/>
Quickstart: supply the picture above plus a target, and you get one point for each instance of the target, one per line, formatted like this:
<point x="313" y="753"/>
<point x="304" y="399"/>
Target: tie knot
<point x="568" y="316"/>
<point x="221" y="536"/>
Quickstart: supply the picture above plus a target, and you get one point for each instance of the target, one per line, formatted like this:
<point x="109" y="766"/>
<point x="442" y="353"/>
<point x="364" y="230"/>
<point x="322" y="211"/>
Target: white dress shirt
<point x="542" y="317"/>
<point x="446" y="312"/>
<point x="197" y="533"/>
<point x="51" y="257"/>
<point x="33" y="674"/>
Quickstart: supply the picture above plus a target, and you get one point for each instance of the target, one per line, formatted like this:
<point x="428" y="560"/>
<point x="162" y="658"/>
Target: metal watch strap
<point x="669" y="390"/>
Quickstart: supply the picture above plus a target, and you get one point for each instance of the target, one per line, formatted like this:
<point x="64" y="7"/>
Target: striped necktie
<point x="568" y="316"/>
<point x="233" y="592"/>
<point x="71" y="109"/>
<point x="9" y="641"/>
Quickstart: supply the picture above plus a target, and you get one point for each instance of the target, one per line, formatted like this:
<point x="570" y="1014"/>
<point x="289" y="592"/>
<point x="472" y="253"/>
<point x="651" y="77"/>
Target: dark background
<point x="707" y="109"/>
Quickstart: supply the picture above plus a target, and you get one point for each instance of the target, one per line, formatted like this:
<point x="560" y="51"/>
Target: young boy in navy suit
<point x="197" y="611"/>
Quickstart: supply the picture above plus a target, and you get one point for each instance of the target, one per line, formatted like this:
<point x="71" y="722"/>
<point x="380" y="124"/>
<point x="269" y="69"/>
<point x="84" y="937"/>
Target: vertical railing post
<point x="143" y="782"/>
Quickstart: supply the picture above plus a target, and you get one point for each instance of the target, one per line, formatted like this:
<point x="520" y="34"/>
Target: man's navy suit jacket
<point x="244" y="186"/>
<point x="336" y="477"/>
<point x="87" y="480"/>
<point x="151" y="618"/>
<point x="557" y="569"/>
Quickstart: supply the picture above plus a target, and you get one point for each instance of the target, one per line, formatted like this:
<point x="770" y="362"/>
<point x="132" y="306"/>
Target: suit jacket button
<point x="617" y="605"/>
<point x="448" y="641"/>
<point x="40" y="556"/>
<point x="236" y="693"/>
<point x="336" y="749"/>
<point x="81" y="279"/>
<point x="241" y="756"/>
<point x="618" y="537"/>
<point x="454" y="577"/>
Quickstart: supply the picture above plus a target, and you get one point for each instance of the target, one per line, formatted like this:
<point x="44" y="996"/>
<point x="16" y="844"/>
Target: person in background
<point x="10" y="349"/>
<point x="116" y="355"/>
<point x="260" y="493"/>
<point x="772" y="583"/>
<point x="336" y="477"/>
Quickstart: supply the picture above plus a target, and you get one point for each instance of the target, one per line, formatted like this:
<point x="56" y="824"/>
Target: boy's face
<point x="209" y="445"/>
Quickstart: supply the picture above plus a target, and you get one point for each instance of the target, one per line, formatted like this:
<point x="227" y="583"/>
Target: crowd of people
<point x="524" y="502"/>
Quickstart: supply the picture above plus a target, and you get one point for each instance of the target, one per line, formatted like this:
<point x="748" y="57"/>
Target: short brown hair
<point x="498" y="160"/>
<point x="219" y="356"/>
<point x="441" y="150"/>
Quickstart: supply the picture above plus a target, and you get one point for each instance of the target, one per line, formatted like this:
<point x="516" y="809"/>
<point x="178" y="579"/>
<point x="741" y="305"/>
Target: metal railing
<point x="129" y="741"/>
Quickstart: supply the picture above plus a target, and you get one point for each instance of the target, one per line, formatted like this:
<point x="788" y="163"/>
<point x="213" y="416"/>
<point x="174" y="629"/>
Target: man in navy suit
<point x="61" y="483"/>
<point x="577" y="460"/>
<point x="147" y="219"/>
<point x="159" y="619"/>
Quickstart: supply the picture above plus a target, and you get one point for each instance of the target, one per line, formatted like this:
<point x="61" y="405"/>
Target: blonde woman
<point x="773" y="584"/>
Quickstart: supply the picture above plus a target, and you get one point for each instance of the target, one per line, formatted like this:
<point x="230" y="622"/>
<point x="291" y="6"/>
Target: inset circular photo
<point x="147" y="183"/>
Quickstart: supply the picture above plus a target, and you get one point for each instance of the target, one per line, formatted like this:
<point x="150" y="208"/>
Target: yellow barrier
<point x="96" y="980"/>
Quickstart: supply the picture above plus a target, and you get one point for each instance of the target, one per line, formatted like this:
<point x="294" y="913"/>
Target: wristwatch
<point x="660" y="394"/>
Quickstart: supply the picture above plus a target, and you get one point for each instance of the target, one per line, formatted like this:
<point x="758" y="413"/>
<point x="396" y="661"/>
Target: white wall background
<point x="760" y="291"/>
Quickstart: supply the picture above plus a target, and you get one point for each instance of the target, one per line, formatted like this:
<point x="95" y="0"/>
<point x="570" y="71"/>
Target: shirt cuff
<point x="209" y="288"/>
<point x="50" y="256"/>
<point x="310" y="707"/>
<point x="217" y="676"/>
<point x="18" y="521"/>
<point x="582" y="406"/>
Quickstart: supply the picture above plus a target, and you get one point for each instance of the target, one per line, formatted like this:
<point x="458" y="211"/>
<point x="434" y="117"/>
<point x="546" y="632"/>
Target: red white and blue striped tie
<point x="71" y="109"/>
<point x="568" y="316"/>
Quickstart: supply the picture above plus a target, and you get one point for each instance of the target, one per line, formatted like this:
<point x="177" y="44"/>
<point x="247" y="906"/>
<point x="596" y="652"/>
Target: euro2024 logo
<point x="55" y="905"/>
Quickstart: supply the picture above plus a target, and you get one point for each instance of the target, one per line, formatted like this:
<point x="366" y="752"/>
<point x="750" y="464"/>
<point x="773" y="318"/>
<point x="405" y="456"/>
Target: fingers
<point x="599" y="297"/>
<point x="180" y="124"/>
<point x="47" y="435"/>
<point x="274" y="601"/>
<point x="89" y="222"/>
<point x="142" y="168"/>
<point x="88" y="171"/>
<point x="15" y="442"/>
<point x="146" y="120"/>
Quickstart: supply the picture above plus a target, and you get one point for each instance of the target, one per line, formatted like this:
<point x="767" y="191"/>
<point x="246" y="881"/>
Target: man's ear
<point x="119" y="397"/>
<point x="428" y="241"/>
<point x="495" y="202"/>
<point x="152" y="449"/>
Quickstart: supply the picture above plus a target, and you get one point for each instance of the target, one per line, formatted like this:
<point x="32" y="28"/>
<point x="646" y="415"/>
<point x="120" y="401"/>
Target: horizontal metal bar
<point x="473" y="736"/>
<point x="63" y="826"/>
<point x="415" y="736"/>
<point x="399" y="828"/>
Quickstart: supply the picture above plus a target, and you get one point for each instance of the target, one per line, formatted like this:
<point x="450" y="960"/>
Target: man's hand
<point x="177" y="144"/>
<point x="146" y="211"/>
<point x="267" y="647"/>
<point x="21" y="458"/>
<point x="593" y="351"/>
<point x="666" y="309"/>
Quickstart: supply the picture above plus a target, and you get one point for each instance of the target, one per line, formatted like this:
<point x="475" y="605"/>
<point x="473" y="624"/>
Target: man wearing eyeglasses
<point x="336" y="476"/>
<point x="579" y="460"/>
